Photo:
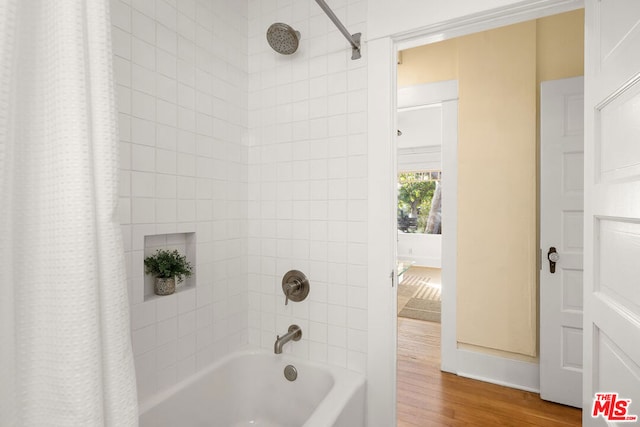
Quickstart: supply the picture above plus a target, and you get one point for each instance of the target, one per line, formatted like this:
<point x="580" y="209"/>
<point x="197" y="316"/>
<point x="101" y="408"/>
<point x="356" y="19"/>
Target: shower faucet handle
<point x="291" y="288"/>
<point x="295" y="286"/>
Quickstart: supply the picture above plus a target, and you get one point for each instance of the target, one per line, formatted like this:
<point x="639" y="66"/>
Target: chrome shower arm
<point x="354" y="39"/>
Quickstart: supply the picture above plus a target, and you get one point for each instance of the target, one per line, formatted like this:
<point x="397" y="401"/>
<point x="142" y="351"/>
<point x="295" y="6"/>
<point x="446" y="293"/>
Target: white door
<point x="561" y="231"/>
<point x="612" y="207"/>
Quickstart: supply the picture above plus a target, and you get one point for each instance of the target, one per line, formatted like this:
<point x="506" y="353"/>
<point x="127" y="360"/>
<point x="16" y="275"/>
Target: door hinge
<point x="393" y="278"/>
<point x="540" y="259"/>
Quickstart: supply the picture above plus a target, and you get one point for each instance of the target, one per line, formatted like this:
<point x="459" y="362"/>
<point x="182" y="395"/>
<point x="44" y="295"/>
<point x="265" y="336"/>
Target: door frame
<point x="382" y="158"/>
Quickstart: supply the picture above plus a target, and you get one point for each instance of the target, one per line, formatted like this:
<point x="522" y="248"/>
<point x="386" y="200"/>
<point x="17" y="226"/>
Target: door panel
<point x="572" y="227"/>
<point x="619" y="249"/>
<point x="573" y="168"/>
<point x="571" y="290"/>
<point x="618" y="122"/>
<point x="612" y="203"/>
<point x="561" y="226"/>
<point x="572" y="343"/>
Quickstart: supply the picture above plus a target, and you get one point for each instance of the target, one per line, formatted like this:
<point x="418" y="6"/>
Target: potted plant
<point x="166" y="266"/>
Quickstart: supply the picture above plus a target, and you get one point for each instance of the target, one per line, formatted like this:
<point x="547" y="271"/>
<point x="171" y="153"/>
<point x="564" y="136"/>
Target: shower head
<point x="282" y="38"/>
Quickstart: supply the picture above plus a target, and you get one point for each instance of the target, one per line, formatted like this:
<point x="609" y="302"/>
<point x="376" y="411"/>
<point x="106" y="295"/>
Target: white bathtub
<point x="249" y="389"/>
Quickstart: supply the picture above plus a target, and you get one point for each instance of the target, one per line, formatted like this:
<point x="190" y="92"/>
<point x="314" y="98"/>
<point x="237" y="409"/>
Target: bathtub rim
<point x="346" y="384"/>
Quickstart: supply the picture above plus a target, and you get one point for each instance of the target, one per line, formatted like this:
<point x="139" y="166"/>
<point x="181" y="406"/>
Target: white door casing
<point x="561" y="216"/>
<point x="612" y="204"/>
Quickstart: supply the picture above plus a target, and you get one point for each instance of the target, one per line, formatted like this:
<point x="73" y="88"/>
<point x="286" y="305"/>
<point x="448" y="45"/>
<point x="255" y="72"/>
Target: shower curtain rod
<point x="354" y="39"/>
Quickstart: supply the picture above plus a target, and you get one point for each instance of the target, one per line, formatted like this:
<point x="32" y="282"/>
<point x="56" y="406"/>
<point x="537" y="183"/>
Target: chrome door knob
<point x="553" y="256"/>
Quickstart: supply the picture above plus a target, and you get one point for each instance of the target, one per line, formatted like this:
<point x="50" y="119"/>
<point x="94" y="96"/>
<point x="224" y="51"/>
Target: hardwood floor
<point x="429" y="397"/>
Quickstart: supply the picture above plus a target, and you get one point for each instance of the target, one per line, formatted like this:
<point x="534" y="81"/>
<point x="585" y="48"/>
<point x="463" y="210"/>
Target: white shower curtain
<point x="65" y="350"/>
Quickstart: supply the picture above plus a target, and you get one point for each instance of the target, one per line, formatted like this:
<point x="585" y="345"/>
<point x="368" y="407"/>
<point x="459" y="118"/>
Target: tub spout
<point x="294" y="333"/>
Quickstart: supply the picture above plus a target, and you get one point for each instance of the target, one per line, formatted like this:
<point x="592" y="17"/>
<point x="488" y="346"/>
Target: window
<point x="419" y="202"/>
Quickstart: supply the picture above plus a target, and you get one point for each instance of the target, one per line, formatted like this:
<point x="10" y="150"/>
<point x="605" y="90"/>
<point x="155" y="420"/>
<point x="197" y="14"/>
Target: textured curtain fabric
<point x="65" y="350"/>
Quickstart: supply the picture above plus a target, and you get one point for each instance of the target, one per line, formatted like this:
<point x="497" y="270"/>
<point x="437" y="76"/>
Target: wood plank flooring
<point x="429" y="397"/>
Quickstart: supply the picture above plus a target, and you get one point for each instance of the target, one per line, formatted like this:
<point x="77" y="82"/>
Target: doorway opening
<point x="419" y="190"/>
<point x="426" y="188"/>
<point x="419" y="240"/>
<point x="494" y="163"/>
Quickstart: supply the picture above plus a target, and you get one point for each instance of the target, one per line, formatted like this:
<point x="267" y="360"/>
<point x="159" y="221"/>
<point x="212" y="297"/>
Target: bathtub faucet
<point x="294" y="333"/>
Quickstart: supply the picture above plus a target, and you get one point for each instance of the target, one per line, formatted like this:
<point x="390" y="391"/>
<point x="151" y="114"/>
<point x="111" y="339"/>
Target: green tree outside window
<point x="415" y="194"/>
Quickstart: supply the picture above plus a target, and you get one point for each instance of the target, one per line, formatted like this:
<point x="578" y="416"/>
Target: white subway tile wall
<point x="307" y="195"/>
<point x="181" y="72"/>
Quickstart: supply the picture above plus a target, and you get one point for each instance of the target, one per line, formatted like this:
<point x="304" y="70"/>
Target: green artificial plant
<point x="168" y="264"/>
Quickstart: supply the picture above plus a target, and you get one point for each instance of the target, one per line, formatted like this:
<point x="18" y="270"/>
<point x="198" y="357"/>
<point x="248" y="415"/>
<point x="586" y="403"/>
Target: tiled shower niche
<point x="185" y="243"/>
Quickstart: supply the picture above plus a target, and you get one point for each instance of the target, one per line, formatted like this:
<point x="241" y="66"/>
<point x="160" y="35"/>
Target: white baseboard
<point x="499" y="370"/>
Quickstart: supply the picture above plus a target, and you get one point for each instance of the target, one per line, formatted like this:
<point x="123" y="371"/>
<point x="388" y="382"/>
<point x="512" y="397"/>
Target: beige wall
<point x="496" y="189"/>
<point x="430" y="63"/>
<point x="498" y="73"/>
<point x="560" y="46"/>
